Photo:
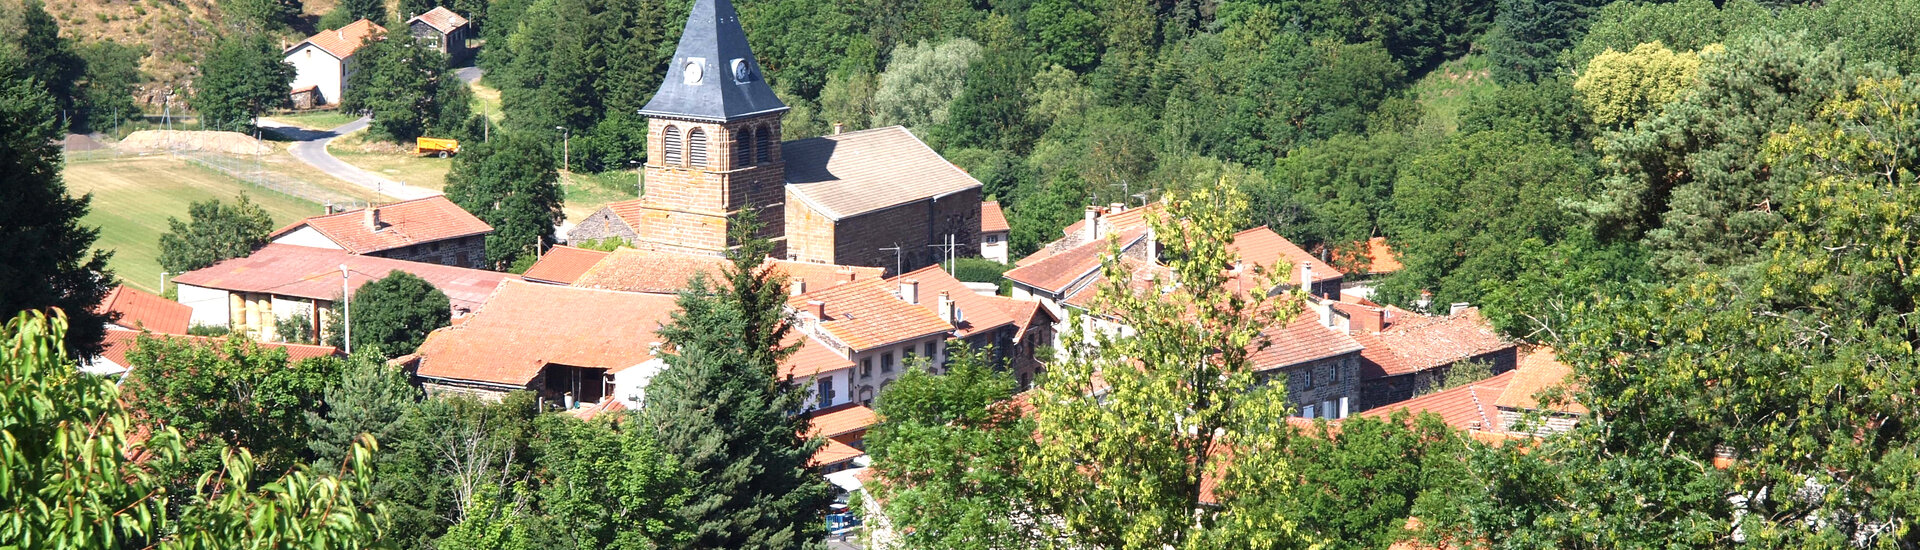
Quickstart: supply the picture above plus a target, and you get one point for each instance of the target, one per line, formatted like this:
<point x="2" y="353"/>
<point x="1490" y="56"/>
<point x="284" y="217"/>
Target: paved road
<point x="468" y="74"/>
<point x="310" y="147"/>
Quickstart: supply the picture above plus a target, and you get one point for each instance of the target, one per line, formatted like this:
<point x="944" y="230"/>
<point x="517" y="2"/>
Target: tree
<point x="348" y="11"/>
<point x="1360" y="480"/>
<point x="922" y="82"/>
<point x="394" y="314"/>
<point x="946" y="456"/>
<point x="991" y="112"/>
<point x="722" y="412"/>
<point x="1066" y="32"/>
<point x="1335" y="192"/>
<point x="408" y="88"/>
<point x="369" y="398"/>
<point x="46" y="256"/>
<point x="1529" y="35"/>
<point x="215" y="232"/>
<point x="261" y="15"/>
<point x="241" y="78"/>
<point x="228" y="392"/>
<point x="106" y="96"/>
<point x="1622" y="88"/>
<point x="31" y="48"/>
<point x="511" y="184"/>
<point x="604" y="483"/>
<point x="1136" y="426"/>
<point x="60" y="417"/>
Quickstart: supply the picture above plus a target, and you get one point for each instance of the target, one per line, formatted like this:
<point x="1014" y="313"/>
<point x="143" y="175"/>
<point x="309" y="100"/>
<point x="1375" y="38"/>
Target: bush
<point x="978" y="270"/>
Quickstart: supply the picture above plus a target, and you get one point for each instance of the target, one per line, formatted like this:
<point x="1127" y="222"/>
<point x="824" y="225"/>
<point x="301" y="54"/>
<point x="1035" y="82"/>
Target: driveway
<point x="310" y="147"/>
<point x="467" y="74"/>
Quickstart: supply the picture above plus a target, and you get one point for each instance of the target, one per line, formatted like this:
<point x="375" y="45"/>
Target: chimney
<point x="818" y="309"/>
<point x="1153" y="246"/>
<point x="329" y="207"/>
<point x="799" y="287"/>
<point x="1116" y="207"/>
<point x="948" y="311"/>
<point x="910" y="291"/>
<point x="339" y="35"/>
<point x="1371" y="319"/>
<point x="846" y="274"/>
<point x="1091" y="229"/>
<point x="1306" y="276"/>
<point x="838" y="127"/>
<point x="373" y="218"/>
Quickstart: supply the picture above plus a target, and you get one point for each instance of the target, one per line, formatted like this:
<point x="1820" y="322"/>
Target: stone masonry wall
<point x="809" y="233"/>
<point x="913" y="227"/>
<point x="686" y="205"/>
<point x="468" y="252"/>
<point x="601" y="225"/>
<point x="1332" y="378"/>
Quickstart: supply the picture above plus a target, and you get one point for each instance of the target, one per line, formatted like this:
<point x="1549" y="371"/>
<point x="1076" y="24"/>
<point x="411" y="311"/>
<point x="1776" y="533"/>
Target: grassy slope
<point x="1445" y="92"/>
<point x="134" y="196"/>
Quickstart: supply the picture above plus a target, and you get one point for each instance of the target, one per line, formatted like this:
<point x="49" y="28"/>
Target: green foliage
<point x="947" y="456"/>
<point x="608" y="244"/>
<point x="514" y="186"/>
<point x="106" y="96"/>
<point x="348" y="11"/>
<point x="408" y="89"/>
<point x="1460" y="374"/>
<point x="295" y="329"/>
<point x="1529" y="35"/>
<point x="1360" y="481"/>
<point x="1622" y="88"/>
<point x="921" y="82"/>
<point x="1684" y="25"/>
<point x="46" y="256"/>
<point x="588" y="66"/>
<point x="228" y="392"/>
<point x="750" y="483"/>
<point x="31" y="48"/>
<point x="241" y="78"/>
<point x="991" y="110"/>
<point x="1550" y="110"/>
<point x="978" y="270"/>
<point x="1333" y="193"/>
<point x="492" y="522"/>
<point x="392" y="316"/>
<point x="1065" y="33"/>
<point x="259" y="15"/>
<point x="369" y="398"/>
<point x="605" y="483"/>
<point x="214" y="232"/>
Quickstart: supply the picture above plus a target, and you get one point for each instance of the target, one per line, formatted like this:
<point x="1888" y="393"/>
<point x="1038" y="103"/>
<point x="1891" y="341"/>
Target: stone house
<point x="442" y="29"/>
<point x="1319" y="361"/>
<point x="432" y="230"/>
<point x="994" y="232"/>
<point x="1408" y="353"/>
<point x="1503" y="407"/>
<point x="1261" y="250"/>
<point x="1010" y="331"/>
<point x="251" y="295"/>
<point x="615" y="220"/>
<point x="867" y="325"/>
<point x="325" y="60"/>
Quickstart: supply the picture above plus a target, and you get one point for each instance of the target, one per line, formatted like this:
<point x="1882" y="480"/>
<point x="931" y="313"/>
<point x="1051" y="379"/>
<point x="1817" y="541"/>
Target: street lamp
<point x="566" y="149"/>
<point x="346" y="310"/>
<point x="639" y="182"/>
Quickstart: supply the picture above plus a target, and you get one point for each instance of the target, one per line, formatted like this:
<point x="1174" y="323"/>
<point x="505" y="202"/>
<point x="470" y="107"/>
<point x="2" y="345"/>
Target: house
<point x="432" y="230"/>
<point x="130" y="308"/>
<point x="562" y="265"/>
<point x="113" y="361"/>
<point x="667" y="272"/>
<point x="1506" y="406"/>
<point x="866" y="324"/>
<point x="994" y="232"/>
<point x="572" y="346"/>
<point x="443" y="30"/>
<point x="325" y="60"/>
<point x="1261" y="250"/>
<point x="282" y="282"/>
<point x="1010" y="331"/>
<point x="1320" y="361"/>
<point x="845" y="429"/>
<point x="1407" y="353"/>
<point x="614" y="220"/>
<point x="714" y="151"/>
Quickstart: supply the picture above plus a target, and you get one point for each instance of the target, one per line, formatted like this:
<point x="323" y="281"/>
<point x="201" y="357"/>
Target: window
<point x="763" y="144"/>
<point x="743" y="148"/>
<point x="696" y="147"/>
<point x="1343" y="407"/>
<point x="993" y="239"/>
<point x="1306" y="378"/>
<point x="906" y="356"/>
<point x="826" y="392"/>
<point x="866" y="366"/>
<point x="1334" y="376"/>
<point x="930" y="351"/>
<point x="670" y="144"/>
<point x="1307" y="411"/>
<point x="1326" y="408"/>
<point x="886" y="362"/>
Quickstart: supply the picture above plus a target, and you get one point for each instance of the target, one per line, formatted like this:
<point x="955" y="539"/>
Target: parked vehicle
<point x="444" y="147"/>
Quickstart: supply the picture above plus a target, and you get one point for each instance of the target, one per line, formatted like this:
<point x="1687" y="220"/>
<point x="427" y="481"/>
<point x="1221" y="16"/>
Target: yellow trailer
<point x="442" y="146"/>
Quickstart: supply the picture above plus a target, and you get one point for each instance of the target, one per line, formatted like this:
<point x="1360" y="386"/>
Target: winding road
<point x="310" y="147"/>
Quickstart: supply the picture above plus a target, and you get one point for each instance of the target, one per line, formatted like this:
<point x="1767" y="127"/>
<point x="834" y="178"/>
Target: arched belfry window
<point x="743" y="147"/>
<point x="697" y="147"/>
<point x="763" y="144"/>
<point x="670" y="144"/>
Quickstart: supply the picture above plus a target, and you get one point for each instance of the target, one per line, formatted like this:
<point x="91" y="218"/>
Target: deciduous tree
<point x="241" y="78"/>
<point x="394" y="314"/>
<point x="1621" y="88"/>
<point x="513" y="185"/>
<point x="921" y="82"/>
<point x="214" y="232"/>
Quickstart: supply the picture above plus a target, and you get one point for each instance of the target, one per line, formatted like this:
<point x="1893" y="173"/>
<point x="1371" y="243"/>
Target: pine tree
<point x="368" y="399"/>
<point x="46" y="256"/>
<point x="721" y="411"/>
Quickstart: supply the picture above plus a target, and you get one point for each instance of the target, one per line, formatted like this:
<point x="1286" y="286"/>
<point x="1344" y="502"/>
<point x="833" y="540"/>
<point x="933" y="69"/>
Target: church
<point x="877" y="197"/>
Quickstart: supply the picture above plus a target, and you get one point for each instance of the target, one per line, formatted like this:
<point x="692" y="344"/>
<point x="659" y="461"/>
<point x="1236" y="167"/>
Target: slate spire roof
<point x="713" y="76"/>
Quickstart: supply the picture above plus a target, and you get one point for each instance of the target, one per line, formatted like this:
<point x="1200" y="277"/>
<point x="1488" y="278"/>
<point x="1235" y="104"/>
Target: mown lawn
<point x="316" y="120"/>
<point x="134" y="196"/>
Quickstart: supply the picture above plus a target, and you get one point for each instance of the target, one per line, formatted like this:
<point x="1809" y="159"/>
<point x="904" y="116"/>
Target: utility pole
<point x="948" y="246"/>
<point x="566" y="148"/>
<point x="639" y="182"/>
<point x="896" y="257"/>
<point x="346" y="310"/>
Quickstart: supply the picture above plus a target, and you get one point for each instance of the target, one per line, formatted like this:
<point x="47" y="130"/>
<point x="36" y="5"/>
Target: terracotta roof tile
<point x="1028" y="314"/>
<point x="526" y="326"/>
<point x="1468" y="407"/>
<point x="841" y="419"/>
<point x="141" y="310"/>
<point x="628" y="211"/>
<point x="834" y="452"/>
<point x="978" y="313"/>
<point x="314" y="273"/>
<point x="1262" y="247"/>
<point x="1413" y="343"/>
<point x="1123" y="220"/>
<point x="441" y="19"/>
<point x="1538" y="371"/>
<point x="1300" y="341"/>
<point x="864" y="315"/>
<point x="402" y="224"/>
<point x="992" y="219"/>
<point x="1057" y="272"/>
<point x="563" y="264"/>
<point x="853" y="173"/>
<point x="1082" y="295"/>
<point x="342" y="42"/>
<point x="635" y="270"/>
<point x="595" y="410"/>
<point x="1380" y="257"/>
<point x="120" y="342"/>
<point x="813" y="358"/>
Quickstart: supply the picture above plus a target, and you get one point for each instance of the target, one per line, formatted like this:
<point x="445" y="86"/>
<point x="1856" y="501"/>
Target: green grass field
<point x="134" y="196"/>
<point x="1445" y="93"/>
<point x="316" y="120"/>
<point x="585" y="193"/>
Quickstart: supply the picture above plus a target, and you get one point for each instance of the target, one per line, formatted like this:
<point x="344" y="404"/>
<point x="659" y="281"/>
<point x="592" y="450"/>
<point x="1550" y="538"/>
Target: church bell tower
<point x="713" y="140"/>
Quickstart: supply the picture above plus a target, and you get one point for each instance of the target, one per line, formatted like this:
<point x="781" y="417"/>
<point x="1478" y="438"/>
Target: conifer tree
<point x="368" y="399"/>
<point x="720" y="410"/>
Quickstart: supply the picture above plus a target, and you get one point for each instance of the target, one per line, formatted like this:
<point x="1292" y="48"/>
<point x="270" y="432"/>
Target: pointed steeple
<point x="713" y="76"/>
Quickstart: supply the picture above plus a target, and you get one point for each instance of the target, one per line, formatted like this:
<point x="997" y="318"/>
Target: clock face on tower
<point x="694" y="70"/>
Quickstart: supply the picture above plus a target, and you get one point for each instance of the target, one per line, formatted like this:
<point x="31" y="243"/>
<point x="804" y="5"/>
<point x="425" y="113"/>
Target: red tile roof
<point x="841" y="419"/>
<point x="635" y="270"/>
<point x="1143" y="275"/>
<point x="563" y="264"/>
<point x="992" y="220"/>
<point x="1413" y="343"/>
<point x="120" y="342"/>
<point x="595" y="410"/>
<point x="1028" y="314"/>
<point x="1262" y="247"/>
<point x="314" y="273"/>
<point x="1380" y="257"/>
<point x="628" y="211"/>
<point x="853" y="173"/>
<point x="1055" y="273"/>
<point x="1468" y="407"/>
<point x="834" y="452"/>
<point x="441" y="19"/>
<point x="343" y="41"/>
<point x="812" y="359"/>
<point x="978" y="312"/>
<point x="864" y="315"/>
<point x="1123" y="220"/>
<point x="1539" y="370"/>
<point x="526" y="326"/>
<point x="1301" y="341"/>
<point x="402" y="224"/>
<point x="141" y="310"/>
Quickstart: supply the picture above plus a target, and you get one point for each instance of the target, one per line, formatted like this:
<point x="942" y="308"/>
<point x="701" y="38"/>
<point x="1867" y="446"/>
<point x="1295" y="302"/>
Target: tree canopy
<point x="394" y="314"/>
<point x="215" y="232"/>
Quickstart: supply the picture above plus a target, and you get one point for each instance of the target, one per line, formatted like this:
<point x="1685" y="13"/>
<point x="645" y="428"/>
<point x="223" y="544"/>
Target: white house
<point x="324" y="60"/>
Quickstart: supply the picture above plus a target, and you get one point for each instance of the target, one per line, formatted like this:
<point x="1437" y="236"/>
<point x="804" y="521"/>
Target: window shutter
<point x="697" y="147"/>
<point x="670" y="144"/>
<point x="743" y="147"/>
<point x="763" y="144"/>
